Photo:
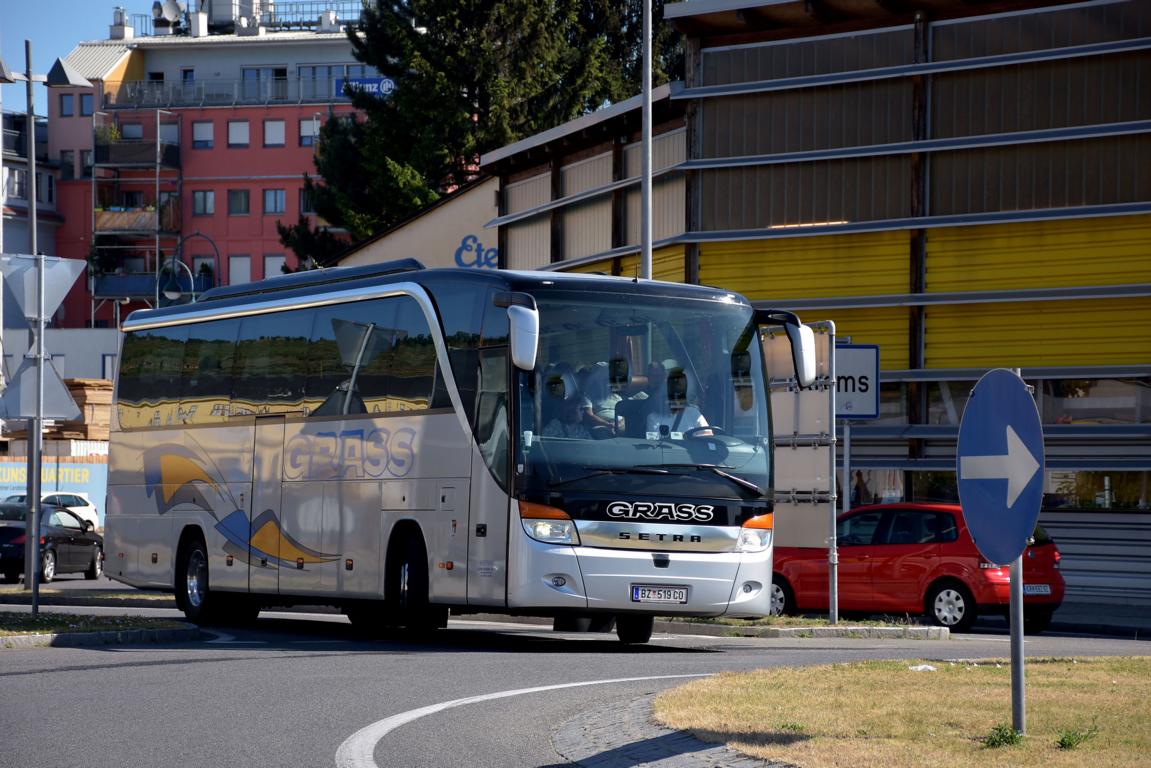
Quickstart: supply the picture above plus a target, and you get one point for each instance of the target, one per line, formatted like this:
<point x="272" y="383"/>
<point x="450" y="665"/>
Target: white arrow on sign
<point x="1017" y="467"/>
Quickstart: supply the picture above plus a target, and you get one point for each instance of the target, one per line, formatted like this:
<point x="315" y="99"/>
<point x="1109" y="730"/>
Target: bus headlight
<point x="755" y="534"/>
<point x="548" y="524"/>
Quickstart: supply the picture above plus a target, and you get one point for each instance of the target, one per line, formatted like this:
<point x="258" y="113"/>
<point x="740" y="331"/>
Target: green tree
<point x="471" y="76"/>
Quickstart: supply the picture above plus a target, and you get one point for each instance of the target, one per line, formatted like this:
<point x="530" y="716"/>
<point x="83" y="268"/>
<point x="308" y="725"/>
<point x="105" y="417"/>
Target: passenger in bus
<point x="597" y="389"/>
<point x="566" y="405"/>
<point x="674" y="409"/>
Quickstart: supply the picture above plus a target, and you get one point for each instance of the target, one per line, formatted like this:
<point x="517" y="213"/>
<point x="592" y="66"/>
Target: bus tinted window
<point x="207" y="371"/>
<point x="347" y="344"/>
<point x="270" y="365"/>
<point x="409" y="367"/>
<point x="150" y="371"/>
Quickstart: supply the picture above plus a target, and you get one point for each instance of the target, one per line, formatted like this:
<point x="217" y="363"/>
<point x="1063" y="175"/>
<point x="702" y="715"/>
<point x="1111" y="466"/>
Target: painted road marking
<point x="358" y="750"/>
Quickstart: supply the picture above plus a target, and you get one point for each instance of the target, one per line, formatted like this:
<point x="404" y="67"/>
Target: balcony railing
<point x="142" y="285"/>
<point x="137" y="153"/>
<point x="132" y="94"/>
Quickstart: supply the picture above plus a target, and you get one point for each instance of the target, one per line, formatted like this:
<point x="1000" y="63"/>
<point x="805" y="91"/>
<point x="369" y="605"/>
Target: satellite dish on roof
<point x="169" y="10"/>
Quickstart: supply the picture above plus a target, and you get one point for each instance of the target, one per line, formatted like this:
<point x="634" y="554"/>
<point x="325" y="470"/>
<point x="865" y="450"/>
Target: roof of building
<point x="580" y="127"/>
<point x="95" y="58"/>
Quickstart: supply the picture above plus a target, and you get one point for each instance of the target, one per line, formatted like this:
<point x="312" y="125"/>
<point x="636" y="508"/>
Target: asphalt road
<point x="293" y="689"/>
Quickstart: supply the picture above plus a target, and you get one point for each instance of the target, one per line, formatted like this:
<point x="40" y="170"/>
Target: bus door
<point x="264" y="514"/>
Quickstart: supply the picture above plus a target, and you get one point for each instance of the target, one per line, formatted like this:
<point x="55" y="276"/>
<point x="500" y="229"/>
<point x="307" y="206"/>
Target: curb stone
<point x="626" y="736"/>
<point x="111" y="637"/>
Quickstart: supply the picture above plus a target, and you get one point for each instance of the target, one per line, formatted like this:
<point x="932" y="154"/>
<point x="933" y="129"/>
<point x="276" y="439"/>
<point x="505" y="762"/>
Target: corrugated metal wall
<point x="666" y="264"/>
<point x="1104" y="554"/>
<point x="529" y="243"/>
<point x="1058" y="254"/>
<point x="809" y="267"/>
<point x="1039" y="334"/>
<point x="587" y="228"/>
<point x="1047" y="254"/>
<point x="528" y="193"/>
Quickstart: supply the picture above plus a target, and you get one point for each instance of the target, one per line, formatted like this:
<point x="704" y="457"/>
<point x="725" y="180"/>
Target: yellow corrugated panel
<point x="1039" y="333"/>
<point x="809" y="267"/>
<point x="666" y="264"/>
<point x="885" y="326"/>
<point x="1048" y="254"/>
<point x="603" y="266"/>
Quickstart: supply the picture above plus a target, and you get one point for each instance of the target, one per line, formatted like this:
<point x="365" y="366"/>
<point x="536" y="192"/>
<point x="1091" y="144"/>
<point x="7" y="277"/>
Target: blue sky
<point x="54" y="27"/>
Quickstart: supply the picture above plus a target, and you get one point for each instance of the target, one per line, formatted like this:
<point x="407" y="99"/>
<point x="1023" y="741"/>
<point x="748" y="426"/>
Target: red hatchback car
<point x="913" y="559"/>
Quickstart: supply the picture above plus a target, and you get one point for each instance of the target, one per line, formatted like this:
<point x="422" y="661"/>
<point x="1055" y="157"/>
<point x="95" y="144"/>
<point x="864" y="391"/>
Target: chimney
<point x="120" y="28"/>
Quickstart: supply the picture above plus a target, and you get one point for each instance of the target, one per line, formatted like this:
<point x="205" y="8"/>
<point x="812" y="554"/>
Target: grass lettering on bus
<point x="352" y="454"/>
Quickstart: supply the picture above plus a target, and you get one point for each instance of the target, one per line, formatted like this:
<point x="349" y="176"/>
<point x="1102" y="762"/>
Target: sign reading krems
<point x="999" y="465"/>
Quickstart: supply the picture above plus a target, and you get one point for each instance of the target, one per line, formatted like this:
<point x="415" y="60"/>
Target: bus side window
<point x="271" y="356"/>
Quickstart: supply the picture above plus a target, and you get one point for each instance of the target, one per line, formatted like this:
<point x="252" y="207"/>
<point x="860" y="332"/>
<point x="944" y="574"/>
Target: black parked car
<point x="67" y="543"/>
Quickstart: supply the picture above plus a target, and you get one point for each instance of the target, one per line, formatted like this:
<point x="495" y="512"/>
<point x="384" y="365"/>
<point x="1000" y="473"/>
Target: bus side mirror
<point x="525" y="335"/>
<point x="802" y="340"/>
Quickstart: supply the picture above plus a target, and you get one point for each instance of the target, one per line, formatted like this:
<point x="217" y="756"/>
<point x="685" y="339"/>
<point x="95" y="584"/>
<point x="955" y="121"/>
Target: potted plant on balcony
<point x="106" y="133"/>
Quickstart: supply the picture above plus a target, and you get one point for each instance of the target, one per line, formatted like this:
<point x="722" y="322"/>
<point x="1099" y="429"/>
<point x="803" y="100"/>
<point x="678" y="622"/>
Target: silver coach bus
<point x="404" y="443"/>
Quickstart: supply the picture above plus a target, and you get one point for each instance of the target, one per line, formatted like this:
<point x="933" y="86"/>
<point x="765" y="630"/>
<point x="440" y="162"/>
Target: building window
<point x="309" y="128"/>
<point x="237" y="202"/>
<point x="132" y="199"/>
<point x="67" y="164"/>
<point x="202" y="135"/>
<point x="273" y="133"/>
<point x="170" y="133"/>
<point x="17" y="184"/>
<point x="85" y="104"/>
<point x="86" y="163"/>
<point x="273" y="264"/>
<point x="66" y="104"/>
<point x="237" y="133"/>
<point x="203" y="202"/>
<point x="133" y="131"/>
<point x="264" y="83"/>
<point x="274" y="200"/>
<point x="239" y="269"/>
<point x="306" y="203"/>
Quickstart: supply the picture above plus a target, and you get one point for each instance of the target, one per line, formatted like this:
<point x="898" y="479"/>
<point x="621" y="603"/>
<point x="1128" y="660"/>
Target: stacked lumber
<point x="94" y="398"/>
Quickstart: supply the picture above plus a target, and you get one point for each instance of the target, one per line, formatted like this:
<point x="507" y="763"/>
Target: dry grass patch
<point x="54" y="623"/>
<point x="886" y="715"/>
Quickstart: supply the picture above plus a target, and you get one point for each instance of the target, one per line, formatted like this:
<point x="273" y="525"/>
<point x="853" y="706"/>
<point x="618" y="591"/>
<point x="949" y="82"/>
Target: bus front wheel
<point x="406" y="588"/>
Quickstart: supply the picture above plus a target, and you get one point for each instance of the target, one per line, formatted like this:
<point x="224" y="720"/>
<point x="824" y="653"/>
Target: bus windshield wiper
<point x="718" y="470"/>
<point x="597" y="471"/>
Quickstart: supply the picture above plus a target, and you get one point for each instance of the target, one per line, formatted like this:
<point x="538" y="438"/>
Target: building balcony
<point x="136" y="94"/>
<point x="115" y="220"/>
<point x="136" y="153"/>
<point x="142" y="285"/>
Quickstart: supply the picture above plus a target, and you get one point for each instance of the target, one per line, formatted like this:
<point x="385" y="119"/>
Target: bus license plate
<point x="642" y="593"/>
<point x="1037" y="589"/>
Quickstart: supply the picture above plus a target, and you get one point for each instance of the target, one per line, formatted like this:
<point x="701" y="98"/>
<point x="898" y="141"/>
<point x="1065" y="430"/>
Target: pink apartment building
<point x="193" y="143"/>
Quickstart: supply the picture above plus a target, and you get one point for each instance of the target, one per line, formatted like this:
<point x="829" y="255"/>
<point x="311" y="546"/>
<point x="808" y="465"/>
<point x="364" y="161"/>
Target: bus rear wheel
<point x="192" y="593"/>
<point x="633" y="630"/>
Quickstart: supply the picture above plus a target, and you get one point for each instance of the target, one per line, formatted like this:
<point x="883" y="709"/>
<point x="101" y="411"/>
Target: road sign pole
<point x="1018" y="696"/>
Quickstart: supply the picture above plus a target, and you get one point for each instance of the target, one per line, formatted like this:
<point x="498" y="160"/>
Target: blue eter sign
<point x="999" y="465"/>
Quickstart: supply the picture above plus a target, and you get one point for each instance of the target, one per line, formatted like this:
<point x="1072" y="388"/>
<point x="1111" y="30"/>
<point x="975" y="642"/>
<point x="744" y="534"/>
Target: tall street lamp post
<point x="60" y="76"/>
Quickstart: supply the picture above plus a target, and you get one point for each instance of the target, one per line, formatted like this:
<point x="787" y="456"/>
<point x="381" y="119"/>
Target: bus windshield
<point x="625" y="389"/>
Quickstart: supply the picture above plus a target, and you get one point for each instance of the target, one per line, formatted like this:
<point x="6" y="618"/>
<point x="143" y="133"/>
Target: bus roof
<point x="313" y="283"/>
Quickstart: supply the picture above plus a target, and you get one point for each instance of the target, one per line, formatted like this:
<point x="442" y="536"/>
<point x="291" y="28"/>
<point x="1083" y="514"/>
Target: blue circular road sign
<point x="999" y="465"/>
